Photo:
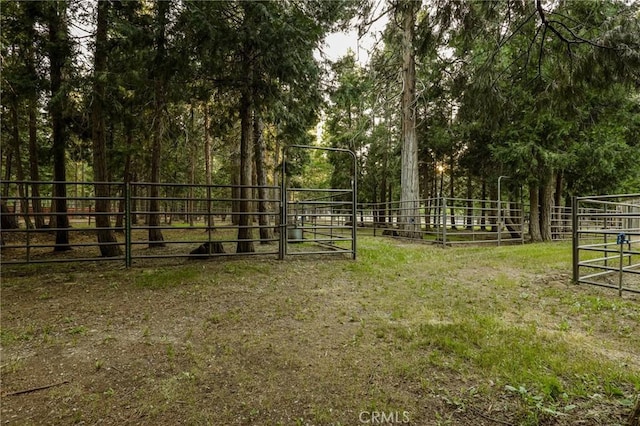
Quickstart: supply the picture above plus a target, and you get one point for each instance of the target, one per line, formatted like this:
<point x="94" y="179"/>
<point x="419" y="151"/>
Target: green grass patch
<point x="524" y="356"/>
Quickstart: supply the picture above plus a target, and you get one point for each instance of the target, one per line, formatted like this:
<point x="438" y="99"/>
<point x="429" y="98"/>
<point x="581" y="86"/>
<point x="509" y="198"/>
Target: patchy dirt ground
<point x="255" y="342"/>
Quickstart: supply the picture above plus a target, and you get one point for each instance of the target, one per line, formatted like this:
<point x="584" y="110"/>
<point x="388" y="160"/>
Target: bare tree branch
<point x="576" y="39"/>
<point x="541" y="51"/>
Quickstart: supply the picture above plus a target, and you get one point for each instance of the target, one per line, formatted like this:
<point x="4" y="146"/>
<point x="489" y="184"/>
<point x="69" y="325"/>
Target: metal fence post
<point x="209" y="219"/>
<point x="621" y="241"/>
<point x="444" y="221"/>
<point x="606" y="236"/>
<point x="282" y="249"/>
<point x="522" y="216"/>
<point x="354" y="206"/>
<point x="574" y="240"/>
<point x="127" y="224"/>
<point x="26" y="221"/>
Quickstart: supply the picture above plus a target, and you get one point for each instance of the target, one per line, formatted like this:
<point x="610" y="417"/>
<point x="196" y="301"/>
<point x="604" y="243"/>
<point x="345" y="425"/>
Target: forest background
<point x="455" y="95"/>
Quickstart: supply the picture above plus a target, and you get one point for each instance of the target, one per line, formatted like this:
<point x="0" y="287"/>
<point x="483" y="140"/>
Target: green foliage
<point x="347" y="122"/>
<point x="206" y="47"/>
<point x="540" y="103"/>
<point x="358" y="120"/>
<point x="501" y="91"/>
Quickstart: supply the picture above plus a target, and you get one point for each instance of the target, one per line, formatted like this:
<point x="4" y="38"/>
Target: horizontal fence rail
<point x="606" y="242"/>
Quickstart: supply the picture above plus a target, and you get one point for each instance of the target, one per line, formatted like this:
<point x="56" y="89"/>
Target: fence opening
<point x="319" y="220"/>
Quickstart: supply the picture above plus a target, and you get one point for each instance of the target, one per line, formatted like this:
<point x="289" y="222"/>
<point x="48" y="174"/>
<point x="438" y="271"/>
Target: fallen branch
<point x="492" y="419"/>
<point x="117" y="369"/>
<point x="20" y="392"/>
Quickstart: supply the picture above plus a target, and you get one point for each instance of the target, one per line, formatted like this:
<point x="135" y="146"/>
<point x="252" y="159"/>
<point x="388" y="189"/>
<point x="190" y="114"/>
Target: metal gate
<point x="606" y="241"/>
<point x="318" y="220"/>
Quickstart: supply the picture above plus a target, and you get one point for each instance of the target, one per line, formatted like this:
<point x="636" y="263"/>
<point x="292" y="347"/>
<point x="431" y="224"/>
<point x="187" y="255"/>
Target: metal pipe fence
<point x="188" y="221"/>
<point x="448" y="221"/>
<point x="64" y="230"/>
<point x="194" y="216"/>
<point x="200" y="221"/>
<point x="606" y="241"/>
<point x="561" y="223"/>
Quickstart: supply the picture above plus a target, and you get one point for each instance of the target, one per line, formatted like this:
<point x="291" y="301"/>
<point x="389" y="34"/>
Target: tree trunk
<point x="33" y="137"/>
<point x="119" y="223"/>
<point x="534" y="211"/>
<point x="254" y="174"/>
<point x="469" y="209"/>
<point x="134" y="201"/>
<point x="483" y="205"/>
<point x="106" y="237"/>
<point x="493" y="213"/>
<point x="52" y="210"/>
<point x="266" y="233"/>
<point x="8" y="218"/>
<point x="558" y="217"/>
<point x="434" y="198"/>
<point x="235" y="188"/>
<point x="517" y="215"/>
<point x="426" y="179"/>
<point x="375" y="212"/>
<point x="382" y="213"/>
<point x="512" y="228"/>
<point x="559" y="186"/>
<point x="277" y="181"/>
<point x="15" y="130"/>
<point x="192" y="171"/>
<point x="452" y="179"/>
<point x="58" y="55"/>
<point x="207" y="163"/>
<point x="385" y="199"/>
<point x="390" y="198"/>
<point x="36" y="203"/>
<point x="409" y="179"/>
<point x="126" y="176"/>
<point x="245" y="245"/>
<point x="441" y="196"/>
<point x="155" y="234"/>
<point x="546" y="206"/>
<point x="7" y="172"/>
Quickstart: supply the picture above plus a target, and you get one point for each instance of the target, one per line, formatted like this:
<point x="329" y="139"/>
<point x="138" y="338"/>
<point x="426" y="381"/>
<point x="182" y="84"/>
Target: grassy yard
<point x="411" y="334"/>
